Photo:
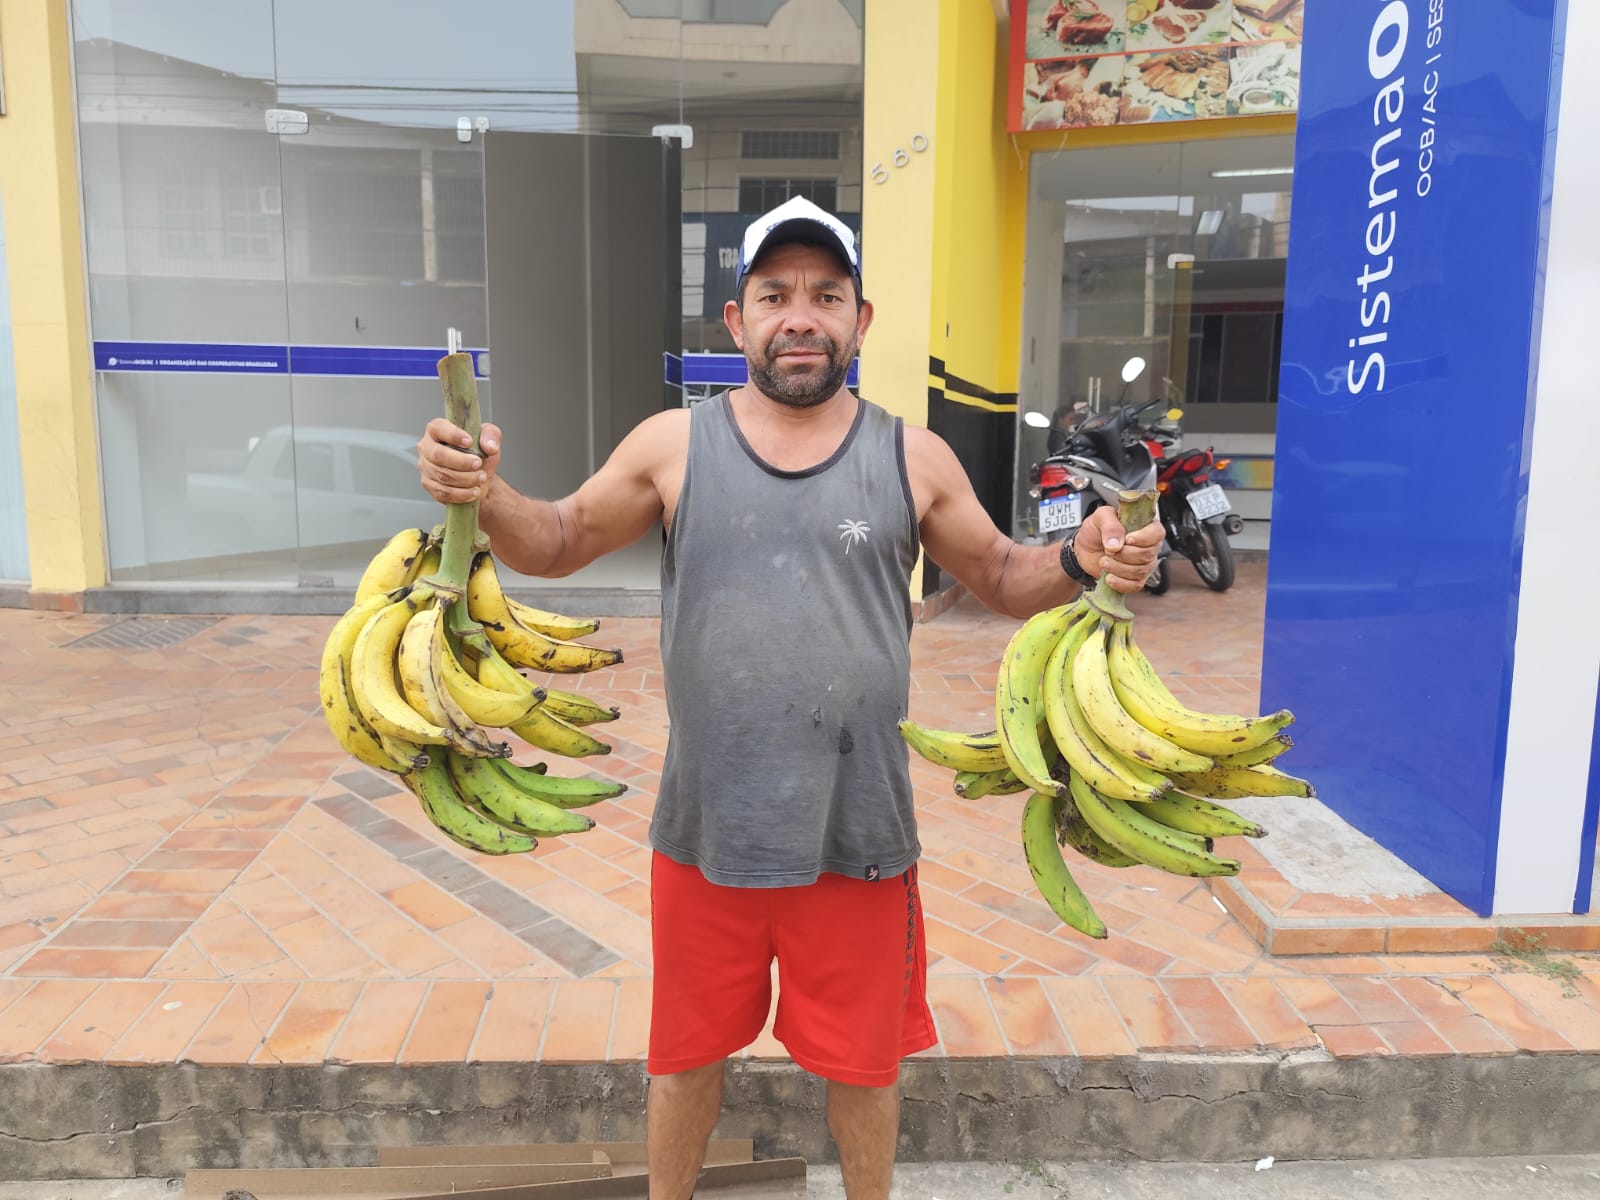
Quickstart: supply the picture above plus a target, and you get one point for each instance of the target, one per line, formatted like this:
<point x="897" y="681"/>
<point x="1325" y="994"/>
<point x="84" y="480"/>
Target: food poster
<point x="1084" y="63"/>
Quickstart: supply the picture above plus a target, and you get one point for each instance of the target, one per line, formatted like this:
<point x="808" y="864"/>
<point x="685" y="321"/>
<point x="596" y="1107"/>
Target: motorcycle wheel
<point x="1161" y="578"/>
<point x="1214" y="562"/>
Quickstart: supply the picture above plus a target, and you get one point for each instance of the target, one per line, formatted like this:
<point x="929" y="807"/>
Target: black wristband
<point x="1070" y="564"/>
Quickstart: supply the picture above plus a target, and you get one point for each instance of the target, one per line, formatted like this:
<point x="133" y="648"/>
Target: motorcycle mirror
<point x="1132" y="369"/>
<point x="1174" y="414"/>
<point x="1036" y="419"/>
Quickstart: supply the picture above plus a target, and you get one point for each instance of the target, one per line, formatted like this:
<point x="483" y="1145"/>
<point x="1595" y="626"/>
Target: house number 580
<point x="880" y="173"/>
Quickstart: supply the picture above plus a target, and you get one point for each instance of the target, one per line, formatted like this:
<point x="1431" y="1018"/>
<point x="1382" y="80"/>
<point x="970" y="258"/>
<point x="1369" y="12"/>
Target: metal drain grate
<point x="142" y="633"/>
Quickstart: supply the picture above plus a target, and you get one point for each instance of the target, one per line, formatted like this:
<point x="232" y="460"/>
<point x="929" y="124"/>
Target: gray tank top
<point x="785" y="637"/>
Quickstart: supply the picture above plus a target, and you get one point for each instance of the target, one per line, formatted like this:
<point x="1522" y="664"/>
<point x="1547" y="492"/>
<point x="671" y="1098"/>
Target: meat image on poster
<point x="1086" y="63"/>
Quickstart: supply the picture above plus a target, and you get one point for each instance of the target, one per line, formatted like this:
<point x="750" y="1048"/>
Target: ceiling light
<point x="1251" y="172"/>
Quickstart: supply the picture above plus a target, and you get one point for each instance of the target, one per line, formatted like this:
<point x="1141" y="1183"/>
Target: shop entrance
<point x="1174" y="253"/>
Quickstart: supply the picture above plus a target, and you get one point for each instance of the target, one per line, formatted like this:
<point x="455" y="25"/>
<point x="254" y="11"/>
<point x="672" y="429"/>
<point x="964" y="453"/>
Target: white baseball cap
<point x="796" y="215"/>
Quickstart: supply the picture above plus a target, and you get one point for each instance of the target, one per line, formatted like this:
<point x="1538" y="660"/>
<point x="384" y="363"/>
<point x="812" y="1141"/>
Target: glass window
<point x="379" y="472"/>
<point x="789" y="143"/>
<point x="758" y="195"/>
<point x="314" y="465"/>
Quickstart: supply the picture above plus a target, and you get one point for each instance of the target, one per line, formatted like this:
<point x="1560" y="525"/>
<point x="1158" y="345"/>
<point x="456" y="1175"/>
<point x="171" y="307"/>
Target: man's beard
<point x="809" y="388"/>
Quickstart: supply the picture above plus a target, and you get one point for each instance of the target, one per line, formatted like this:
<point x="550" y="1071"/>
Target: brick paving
<point x="190" y="870"/>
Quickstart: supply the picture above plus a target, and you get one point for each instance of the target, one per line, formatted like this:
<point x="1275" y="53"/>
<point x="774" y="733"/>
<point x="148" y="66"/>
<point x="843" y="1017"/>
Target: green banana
<point x="975" y="752"/>
<point x="1017" y="695"/>
<point x="1074" y="831"/>
<point x="433" y="786"/>
<point x="973" y="784"/>
<point x="1152" y="843"/>
<point x="481" y="784"/>
<point x="560" y="790"/>
<point x="1049" y="870"/>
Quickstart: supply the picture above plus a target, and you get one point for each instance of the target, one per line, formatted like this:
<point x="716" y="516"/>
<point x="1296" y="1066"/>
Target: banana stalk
<point x="1135" y="510"/>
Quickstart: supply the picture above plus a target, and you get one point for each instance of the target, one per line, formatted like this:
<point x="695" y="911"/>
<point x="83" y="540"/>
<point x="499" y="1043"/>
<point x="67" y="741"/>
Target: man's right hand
<point x="451" y="472"/>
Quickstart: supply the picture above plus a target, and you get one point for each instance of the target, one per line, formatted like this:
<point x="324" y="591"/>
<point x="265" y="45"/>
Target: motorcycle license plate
<point x="1060" y="512"/>
<point x="1209" y="502"/>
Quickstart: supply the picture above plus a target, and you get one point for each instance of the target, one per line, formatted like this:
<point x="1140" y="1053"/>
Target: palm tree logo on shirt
<point x="852" y="533"/>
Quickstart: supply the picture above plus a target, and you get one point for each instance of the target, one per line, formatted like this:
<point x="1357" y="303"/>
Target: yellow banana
<point x="396" y="565"/>
<point x="543" y="729"/>
<point x="414" y="758"/>
<point x="1149" y="702"/>
<point x="345" y="722"/>
<point x="561" y="790"/>
<point x="486" y="705"/>
<point x="1193" y="815"/>
<point x="433" y="786"/>
<point x="479" y="783"/>
<point x="1126" y="828"/>
<point x="550" y="732"/>
<point x="552" y="624"/>
<point x="1237" y="783"/>
<point x="1091" y="685"/>
<point x="1017" y="699"/>
<point x="421" y="666"/>
<point x="1049" y="870"/>
<point x="526" y="647"/>
<point x="372" y="675"/>
<point x="1079" y="744"/>
<point x="577" y="709"/>
<point x="1261" y="755"/>
<point x="977" y="752"/>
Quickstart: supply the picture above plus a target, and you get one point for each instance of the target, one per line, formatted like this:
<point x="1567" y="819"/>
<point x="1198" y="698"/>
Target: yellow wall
<point x="902" y="46"/>
<point x="44" y="260"/>
<point x="981" y="213"/>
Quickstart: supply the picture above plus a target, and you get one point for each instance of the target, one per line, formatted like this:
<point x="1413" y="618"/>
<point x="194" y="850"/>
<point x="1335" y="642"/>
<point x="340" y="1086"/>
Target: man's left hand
<point x="1104" y="549"/>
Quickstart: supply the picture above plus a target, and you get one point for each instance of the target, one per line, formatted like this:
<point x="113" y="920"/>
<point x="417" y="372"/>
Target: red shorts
<point x="852" y="972"/>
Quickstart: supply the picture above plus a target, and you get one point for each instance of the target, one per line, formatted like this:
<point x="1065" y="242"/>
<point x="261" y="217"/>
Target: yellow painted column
<point x="44" y="260"/>
<point x="944" y="209"/>
<point x="900" y="148"/>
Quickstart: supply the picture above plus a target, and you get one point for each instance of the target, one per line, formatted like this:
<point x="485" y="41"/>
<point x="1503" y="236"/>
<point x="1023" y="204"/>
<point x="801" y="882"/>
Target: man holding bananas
<point x="784" y="827"/>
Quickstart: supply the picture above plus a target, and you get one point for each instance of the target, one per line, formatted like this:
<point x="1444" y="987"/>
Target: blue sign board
<point x="380" y="362"/>
<point x="1423" y="164"/>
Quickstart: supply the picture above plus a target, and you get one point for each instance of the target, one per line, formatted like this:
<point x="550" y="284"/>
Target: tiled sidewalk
<point x="191" y="870"/>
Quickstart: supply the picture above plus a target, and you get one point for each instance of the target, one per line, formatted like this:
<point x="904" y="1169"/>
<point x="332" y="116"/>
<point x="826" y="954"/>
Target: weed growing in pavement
<point x="1520" y="950"/>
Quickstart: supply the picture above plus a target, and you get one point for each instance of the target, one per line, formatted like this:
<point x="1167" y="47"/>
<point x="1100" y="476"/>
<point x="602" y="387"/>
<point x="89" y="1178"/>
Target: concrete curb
<point x="95" y="1121"/>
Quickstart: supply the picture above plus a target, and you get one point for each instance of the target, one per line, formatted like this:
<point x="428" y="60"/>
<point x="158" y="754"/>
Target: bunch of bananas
<point x="425" y="663"/>
<point x="1116" y="767"/>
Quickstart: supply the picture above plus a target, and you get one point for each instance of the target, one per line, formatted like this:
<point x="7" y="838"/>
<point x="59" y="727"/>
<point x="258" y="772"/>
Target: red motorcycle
<point x="1194" y="509"/>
